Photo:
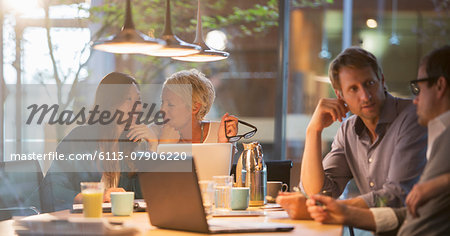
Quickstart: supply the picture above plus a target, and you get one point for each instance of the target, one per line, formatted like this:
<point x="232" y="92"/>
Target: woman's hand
<point x="141" y="132"/>
<point x="231" y="128"/>
<point x="78" y="199"/>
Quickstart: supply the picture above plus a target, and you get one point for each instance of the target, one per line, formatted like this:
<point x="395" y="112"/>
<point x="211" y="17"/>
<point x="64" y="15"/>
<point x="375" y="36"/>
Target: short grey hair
<point x="202" y="91"/>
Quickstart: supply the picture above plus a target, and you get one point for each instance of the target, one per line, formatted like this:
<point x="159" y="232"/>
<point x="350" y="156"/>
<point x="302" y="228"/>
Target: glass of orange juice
<point x="92" y="193"/>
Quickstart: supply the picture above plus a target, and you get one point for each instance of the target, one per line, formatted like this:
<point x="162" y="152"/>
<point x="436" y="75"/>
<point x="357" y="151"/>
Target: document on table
<point x="47" y="224"/>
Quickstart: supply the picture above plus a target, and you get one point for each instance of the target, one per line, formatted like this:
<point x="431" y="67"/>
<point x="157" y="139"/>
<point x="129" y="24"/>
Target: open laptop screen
<point x="210" y="159"/>
<point x="174" y="201"/>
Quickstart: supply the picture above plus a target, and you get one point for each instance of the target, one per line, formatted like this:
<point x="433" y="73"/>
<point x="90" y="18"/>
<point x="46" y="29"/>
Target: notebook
<point x="174" y="202"/>
<point x="210" y="159"/>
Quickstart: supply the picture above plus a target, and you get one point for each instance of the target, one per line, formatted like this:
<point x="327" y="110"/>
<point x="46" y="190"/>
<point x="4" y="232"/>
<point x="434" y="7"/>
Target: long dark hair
<point x="111" y="93"/>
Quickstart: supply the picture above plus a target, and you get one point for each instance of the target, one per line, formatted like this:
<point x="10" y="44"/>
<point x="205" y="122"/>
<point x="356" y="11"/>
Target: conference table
<point x="141" y="221"/>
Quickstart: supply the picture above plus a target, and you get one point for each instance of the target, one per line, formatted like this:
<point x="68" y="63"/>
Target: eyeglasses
<point x="239" y="136"/>
<point x="413" y="84"/>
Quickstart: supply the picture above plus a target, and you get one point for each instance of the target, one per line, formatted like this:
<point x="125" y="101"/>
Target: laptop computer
<point x="174" y="202"/>
<point x="210" y="159"/>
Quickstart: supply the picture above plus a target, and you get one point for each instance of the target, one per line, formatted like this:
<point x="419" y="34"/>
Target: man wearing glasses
<point x="428" y="204"/>
<point x="381" y="146"/>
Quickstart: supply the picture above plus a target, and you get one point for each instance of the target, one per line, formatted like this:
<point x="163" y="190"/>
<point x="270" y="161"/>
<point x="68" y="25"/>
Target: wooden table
<point x="141" y="221"/>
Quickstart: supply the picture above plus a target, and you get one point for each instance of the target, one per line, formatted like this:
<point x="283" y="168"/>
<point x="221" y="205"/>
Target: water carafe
<point x="251" y="171"/>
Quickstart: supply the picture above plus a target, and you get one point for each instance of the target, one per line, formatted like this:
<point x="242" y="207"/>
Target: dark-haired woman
<point x="116" y="93"/>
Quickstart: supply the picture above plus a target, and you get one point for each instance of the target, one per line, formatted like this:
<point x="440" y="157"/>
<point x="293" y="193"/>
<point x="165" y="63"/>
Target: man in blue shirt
<point x="428" y="204"/>
<point x="381" y="146"/>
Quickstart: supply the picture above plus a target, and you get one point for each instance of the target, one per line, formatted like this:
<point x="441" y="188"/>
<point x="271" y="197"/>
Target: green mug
<point x="240" y="197"/>
<point x="122" y="203"/>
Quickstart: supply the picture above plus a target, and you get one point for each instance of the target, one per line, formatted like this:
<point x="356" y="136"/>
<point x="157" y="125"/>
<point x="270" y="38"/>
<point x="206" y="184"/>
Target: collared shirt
<point x="385" y="217"/>
<point x="436" y="127"/>
<point x="384" y="170"/>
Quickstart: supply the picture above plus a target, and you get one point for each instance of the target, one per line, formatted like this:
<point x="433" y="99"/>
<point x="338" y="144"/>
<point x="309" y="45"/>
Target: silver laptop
<point x="174" y="202"/>
<point x="210" y="159"/>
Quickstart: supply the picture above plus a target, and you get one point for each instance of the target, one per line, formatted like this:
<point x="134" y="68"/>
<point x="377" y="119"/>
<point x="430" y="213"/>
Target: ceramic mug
<point x="273" y="187"/>
<point x="122" y="203"/>
<point x="240" y="197"/>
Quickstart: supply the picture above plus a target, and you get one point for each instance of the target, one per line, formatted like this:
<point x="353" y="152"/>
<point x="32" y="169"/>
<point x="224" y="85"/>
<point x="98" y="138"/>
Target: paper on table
<point x="46" y="224"/>
<point x="79" y="207"/>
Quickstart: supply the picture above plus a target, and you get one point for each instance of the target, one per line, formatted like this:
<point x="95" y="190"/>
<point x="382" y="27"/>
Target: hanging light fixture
<point x="128" y="40"/>
<point x="324" y="52"/>
<point x="394" y="40"/>
<point x="174" y="46"/>
<point x="206" y="54"/>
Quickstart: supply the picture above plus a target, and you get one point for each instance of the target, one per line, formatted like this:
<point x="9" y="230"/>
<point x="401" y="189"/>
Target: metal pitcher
<point x="251" y="171"/>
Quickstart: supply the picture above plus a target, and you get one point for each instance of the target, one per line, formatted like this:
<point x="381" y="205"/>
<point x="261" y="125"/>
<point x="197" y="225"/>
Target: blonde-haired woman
<point x="187" y="96"/>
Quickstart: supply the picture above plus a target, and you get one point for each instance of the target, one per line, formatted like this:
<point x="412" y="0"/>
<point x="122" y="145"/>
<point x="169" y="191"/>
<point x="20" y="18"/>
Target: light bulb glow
<point x="216" y="39"/>
<point x="126" y="48"/>
<point x="371" y="23"/>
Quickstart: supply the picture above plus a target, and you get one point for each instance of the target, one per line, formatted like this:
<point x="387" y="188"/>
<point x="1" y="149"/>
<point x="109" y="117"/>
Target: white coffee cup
<point x="122" y="203"/>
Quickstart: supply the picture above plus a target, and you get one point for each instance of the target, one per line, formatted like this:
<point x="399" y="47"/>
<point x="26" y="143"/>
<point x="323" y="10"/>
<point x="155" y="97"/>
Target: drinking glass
<point x="92" y="193"/>
<point x="222" y="192"/>
<point x="207" y="190"/>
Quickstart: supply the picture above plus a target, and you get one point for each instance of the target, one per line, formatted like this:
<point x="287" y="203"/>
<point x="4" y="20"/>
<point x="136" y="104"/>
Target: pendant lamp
<point x="174" y="46"/>
<point x="394" y="40"/>
<point x="206" y="53"/>
<point x="324" y="52"/>
<point x="128" y="40"/>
